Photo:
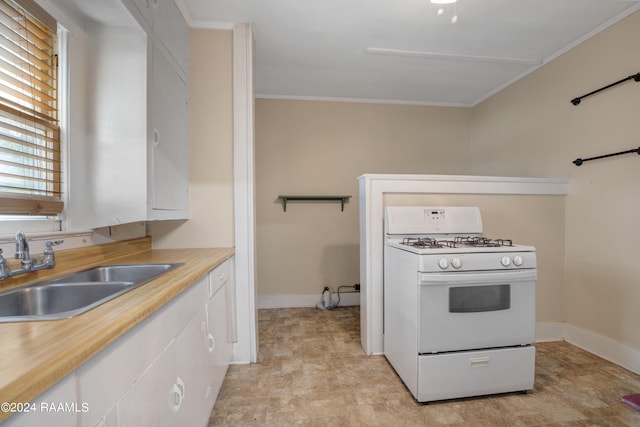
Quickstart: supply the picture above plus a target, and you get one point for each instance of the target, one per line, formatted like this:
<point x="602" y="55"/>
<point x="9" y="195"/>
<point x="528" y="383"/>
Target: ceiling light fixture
<point x="441" y="3"/>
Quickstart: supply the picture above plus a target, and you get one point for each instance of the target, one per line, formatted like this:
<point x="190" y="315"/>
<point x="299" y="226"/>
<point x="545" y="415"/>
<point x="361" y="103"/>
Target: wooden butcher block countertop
<point x="36" y="355"/>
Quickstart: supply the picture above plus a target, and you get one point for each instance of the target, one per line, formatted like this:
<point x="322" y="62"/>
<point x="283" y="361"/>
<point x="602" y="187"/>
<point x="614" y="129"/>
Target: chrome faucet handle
<point x="48" y="249"/>
<point x="22" y="247"/>
<point x="49" y="260"/>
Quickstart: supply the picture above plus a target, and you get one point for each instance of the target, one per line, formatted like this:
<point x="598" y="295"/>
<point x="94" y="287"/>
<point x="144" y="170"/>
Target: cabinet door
<point x="173" y="391"/>
<point x="172" y="31"/>
<point x="218" y="343"/>
<point x="156" y="397"/>
<point x="44" y="413"/>
<point x="191" y="358"/>
<point x="170" y="139"/>
<point x="218" y="277"/>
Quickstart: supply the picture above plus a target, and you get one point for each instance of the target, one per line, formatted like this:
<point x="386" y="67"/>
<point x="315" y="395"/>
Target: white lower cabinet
<point x="173" y="391"/>
<point x="167" y="371"/>
<point x="55" y="407"/>
<point x="180" y="387"/>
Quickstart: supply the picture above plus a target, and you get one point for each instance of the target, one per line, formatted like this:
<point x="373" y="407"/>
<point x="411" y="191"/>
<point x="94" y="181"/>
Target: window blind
<point x="30" y="167"/>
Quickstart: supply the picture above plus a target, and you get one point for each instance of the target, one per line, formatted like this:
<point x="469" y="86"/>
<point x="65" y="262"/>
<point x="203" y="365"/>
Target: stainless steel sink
<point x="76" y="293"/>
<point x="137" y="273"/>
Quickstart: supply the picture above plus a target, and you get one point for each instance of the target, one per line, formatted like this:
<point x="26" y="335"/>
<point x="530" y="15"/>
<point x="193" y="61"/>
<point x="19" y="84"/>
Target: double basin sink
<point x="75" y="293"/>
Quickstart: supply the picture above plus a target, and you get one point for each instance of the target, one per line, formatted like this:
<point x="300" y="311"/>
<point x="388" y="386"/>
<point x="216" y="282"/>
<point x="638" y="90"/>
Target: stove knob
<point x="517" y="260"/>
<point x="505" y="261"/>
<point x="443" y="263"/>
<point x="456" y="263"/>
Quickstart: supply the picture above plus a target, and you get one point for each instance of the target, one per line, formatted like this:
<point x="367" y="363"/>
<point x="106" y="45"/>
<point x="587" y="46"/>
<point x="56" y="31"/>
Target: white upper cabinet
<point x="170" y="136"/>
<point x="171" y="31"/>
<point x="129" y="114"/>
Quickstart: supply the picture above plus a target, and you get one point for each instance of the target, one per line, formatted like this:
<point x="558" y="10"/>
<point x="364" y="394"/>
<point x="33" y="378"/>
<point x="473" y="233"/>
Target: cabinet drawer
<point x="218" y="277"/>
<point x="475" y="373"/>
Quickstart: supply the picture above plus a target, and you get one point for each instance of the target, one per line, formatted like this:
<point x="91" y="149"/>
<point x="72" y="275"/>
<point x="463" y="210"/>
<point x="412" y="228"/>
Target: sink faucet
<point x="22" y="250"/>
<point x="28" y="264"/>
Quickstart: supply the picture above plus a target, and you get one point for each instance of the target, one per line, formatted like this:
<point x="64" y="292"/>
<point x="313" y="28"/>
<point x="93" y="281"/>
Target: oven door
<point x="476" y="310"/>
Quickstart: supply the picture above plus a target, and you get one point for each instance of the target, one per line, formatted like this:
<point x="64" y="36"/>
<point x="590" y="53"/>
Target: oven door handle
<point x="477" y="277"/>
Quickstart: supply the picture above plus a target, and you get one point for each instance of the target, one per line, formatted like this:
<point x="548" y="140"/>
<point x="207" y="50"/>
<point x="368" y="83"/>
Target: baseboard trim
<point x="304" y="300"/>
<point x="608" y="349"/>
<point x="613" y="351"/>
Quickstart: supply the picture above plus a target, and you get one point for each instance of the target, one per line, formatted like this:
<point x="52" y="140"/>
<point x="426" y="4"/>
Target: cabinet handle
<point x="176" y="395"/>
<point x="180" y="385"/>
<point x="156" y="137"/>
<point x="175" y="398"/>
<point x="211" y="343"/>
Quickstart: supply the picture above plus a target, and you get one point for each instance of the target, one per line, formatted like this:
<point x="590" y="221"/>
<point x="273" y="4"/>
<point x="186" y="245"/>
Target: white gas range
<point x="459" y="308"/>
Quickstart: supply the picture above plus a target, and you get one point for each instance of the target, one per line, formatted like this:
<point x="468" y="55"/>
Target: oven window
<point x="473" y="299"/>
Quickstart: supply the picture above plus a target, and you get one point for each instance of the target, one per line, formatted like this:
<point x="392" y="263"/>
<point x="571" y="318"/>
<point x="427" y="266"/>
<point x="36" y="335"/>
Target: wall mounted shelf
<point x="341" y="199"/>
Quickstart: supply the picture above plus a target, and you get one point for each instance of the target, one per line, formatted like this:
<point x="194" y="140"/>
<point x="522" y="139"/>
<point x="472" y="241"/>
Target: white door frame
<point x="245" y="351"/>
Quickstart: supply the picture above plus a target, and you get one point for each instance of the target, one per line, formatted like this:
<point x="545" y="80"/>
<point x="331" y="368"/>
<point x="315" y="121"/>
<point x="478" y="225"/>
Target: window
<point x="30" y="158"/>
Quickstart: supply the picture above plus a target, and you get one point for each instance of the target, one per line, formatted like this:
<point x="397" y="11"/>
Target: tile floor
<point x="312" y="371"/>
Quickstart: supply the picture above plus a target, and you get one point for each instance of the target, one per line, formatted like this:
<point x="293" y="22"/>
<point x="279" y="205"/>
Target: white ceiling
<point x="400" y="50"/>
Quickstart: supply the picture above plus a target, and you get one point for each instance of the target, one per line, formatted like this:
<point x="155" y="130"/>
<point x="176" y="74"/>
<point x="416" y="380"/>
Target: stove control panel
<point x="478" y="261"/>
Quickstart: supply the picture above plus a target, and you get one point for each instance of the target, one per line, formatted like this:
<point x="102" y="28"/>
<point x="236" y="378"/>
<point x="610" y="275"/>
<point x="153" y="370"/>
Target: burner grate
<point x="457" y="242"/>
<point x="422" y="242"/>
<point x="482" y="242"/>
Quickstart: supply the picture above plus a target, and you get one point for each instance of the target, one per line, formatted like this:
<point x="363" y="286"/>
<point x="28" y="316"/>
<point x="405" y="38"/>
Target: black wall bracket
<point x="578" y="162"/>
<point x="634" y="77"/>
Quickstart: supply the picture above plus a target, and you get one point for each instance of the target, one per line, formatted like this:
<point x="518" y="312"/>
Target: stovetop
<point x="442" y="230"/>
<point x="440" y="245"/>
<point x="456" y="242"/>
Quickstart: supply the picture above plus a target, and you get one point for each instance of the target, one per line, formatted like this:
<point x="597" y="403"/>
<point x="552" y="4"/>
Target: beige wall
<point x="309" y="147"/>
<point x="211" y="148"/>
<point x="532" y="129"/>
